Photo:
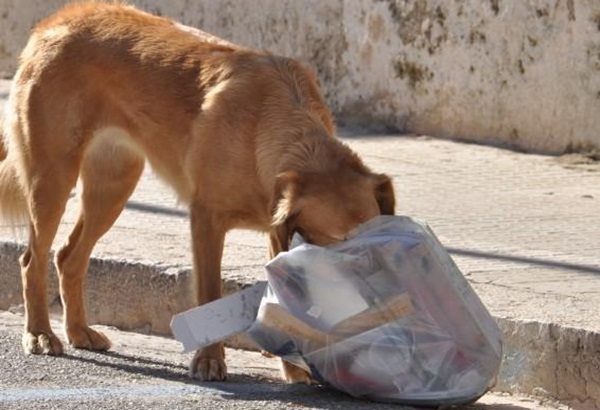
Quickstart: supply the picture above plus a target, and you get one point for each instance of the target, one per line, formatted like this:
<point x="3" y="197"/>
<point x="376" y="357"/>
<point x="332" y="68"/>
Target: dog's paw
<point x="88" y="338"/>
<point x="208" y="365"/>
<point x="295" y="375"/>
<point x="41" y="343"/>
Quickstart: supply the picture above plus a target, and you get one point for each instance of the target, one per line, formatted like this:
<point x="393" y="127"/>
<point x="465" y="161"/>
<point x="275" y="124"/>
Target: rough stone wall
<point x="521" y="73"/>
<point x="16" y="19"/>
<point x="526" y="73"/>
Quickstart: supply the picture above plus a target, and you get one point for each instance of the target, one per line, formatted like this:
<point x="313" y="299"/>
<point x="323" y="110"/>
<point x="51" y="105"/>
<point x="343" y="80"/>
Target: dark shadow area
<point x="348" y="130"/>
<point x="132" y="364"/>
<point x="156" y="209"/>
<point x="247" y="388"/>
<point x="160" y="369"/>
<point x="471" y="253"/>
<point x="525" y="260"/>
<point x="238" y="387"/>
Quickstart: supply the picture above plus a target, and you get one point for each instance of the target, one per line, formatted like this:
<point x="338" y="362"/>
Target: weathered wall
<point x="524" y="73"/>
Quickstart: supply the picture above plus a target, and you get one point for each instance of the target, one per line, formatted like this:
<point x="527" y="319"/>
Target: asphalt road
<point x="146" y="372"/>
<point x="149" y="372"/>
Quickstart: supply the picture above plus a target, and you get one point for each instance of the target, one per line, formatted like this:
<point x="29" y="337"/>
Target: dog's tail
<point x="13" y="204"/>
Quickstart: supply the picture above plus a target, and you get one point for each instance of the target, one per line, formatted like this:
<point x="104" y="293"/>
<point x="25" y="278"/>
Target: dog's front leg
<point x="208" y="236"/>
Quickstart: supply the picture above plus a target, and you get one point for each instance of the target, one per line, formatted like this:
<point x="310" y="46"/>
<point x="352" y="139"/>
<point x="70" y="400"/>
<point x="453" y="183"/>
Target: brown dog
<point x="242" y="136"/>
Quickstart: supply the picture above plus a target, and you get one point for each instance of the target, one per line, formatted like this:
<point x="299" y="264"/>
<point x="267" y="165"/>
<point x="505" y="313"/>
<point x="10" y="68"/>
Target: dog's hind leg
<point x="47" y="195"/>
<point x="109" y="175"/>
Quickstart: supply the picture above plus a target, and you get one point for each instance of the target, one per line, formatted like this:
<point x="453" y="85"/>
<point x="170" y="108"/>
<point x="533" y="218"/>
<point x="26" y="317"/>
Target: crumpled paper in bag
<point x="385" y="315"/>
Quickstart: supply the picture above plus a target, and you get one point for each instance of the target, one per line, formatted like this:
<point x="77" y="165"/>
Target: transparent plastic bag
<point x="385" y="315"/>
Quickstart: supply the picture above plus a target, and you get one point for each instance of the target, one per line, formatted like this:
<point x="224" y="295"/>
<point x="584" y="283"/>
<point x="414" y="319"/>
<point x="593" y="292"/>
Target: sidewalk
<point x="524" y="229"/>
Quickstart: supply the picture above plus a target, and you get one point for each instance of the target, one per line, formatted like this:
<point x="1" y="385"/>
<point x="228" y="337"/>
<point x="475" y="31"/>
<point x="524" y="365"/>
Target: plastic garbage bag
<point x="385" y="315"/>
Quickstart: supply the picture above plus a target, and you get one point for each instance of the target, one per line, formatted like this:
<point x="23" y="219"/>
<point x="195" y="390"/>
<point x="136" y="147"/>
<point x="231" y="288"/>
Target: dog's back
<point x="96" y="66"/>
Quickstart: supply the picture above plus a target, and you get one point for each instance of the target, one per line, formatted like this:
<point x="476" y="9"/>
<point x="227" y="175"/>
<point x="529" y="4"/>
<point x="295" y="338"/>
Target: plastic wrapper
<point x="384" y="315"/>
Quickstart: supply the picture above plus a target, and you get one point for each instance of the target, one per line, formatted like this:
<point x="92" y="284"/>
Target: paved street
<point x="148" y="372"/>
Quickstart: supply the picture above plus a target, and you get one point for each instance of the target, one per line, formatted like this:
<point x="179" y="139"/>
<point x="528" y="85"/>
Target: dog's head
<point x="324" y="209"/>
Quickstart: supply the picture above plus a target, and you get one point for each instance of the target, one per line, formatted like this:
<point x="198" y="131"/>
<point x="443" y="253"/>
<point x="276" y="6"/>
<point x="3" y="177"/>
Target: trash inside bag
<point x="385" y="315"/>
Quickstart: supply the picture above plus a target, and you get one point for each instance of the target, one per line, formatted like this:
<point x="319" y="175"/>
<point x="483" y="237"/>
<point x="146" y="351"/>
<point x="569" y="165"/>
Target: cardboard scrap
<point x="218" y="320"/>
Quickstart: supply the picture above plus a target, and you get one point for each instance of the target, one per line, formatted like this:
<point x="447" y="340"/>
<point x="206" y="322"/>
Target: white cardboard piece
<point x="218" y="320"/>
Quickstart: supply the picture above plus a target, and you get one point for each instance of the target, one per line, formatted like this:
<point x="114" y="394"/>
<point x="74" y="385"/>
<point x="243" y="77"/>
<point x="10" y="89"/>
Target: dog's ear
<point x="285" y="206"/>
<point x="384" y="194"/>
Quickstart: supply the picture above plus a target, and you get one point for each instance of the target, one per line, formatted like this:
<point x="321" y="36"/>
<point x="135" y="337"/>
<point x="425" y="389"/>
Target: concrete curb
<point x="550" y="360"/>
<point x="541" y="359"/>
<point x="131" y="296"/>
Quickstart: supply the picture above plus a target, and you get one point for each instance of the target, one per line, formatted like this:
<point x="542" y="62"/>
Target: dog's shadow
<point x="239" y="387"/>
<point x="119" y="362"/>
<point x="243" y="387"/>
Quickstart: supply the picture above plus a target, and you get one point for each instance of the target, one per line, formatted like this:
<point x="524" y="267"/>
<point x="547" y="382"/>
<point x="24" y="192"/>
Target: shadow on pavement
<point x="526" y="260"/>
<point x="133" y="364"/>
<point x="242" y="387"/>
<point x="156" y="209"/>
